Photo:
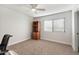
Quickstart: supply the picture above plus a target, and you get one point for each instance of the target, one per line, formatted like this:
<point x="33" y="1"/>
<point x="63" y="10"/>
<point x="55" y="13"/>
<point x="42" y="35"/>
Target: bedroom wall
<point x="16" y="24"/>
<point x="61" y="37"/>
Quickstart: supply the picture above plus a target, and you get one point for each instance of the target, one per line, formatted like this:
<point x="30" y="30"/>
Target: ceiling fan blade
<point x="33" y="5"/>
<point x="40" y="9"/>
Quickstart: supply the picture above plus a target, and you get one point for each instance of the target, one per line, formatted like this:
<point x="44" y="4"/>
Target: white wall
<point x="62" y="37"/>
<point x="15" y="23"/>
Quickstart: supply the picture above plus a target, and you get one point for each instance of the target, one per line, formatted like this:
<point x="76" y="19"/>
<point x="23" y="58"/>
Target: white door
<point x="77" y="30"/>
<point x="75" y="37"/>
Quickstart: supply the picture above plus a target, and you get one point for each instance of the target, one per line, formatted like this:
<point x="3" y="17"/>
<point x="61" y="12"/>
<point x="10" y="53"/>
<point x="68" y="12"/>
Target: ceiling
<point x="49" y="8"/>
<point x="53" y="6"/>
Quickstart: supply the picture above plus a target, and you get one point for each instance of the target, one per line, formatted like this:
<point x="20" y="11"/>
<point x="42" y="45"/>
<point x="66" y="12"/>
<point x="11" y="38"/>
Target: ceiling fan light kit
<point x="34" y="10"/>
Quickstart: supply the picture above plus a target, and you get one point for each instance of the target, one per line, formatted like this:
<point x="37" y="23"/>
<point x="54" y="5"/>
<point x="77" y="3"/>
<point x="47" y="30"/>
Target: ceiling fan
<point x="34" y="8"/>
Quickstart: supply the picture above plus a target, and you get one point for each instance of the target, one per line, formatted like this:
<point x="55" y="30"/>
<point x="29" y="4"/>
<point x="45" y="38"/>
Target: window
<point x="59" y="25"/>
<point x="54" y="25"/>
<point x="48" y="25"/>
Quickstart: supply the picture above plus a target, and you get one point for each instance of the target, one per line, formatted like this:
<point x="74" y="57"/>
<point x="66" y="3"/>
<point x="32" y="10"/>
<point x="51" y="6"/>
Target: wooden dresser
<point x="36" y="30"/>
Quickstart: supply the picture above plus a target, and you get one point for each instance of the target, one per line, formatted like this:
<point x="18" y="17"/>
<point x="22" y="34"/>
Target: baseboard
<point x="42" y="39"/>
<point x="18" y="41"/>
<point x="56" y="41"/>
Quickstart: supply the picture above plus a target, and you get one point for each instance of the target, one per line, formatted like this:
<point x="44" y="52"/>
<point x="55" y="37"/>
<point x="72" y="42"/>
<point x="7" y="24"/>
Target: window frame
<point x="44" y="26"/>
<point x="64" y="25"/>
<point x="53" y="25"/>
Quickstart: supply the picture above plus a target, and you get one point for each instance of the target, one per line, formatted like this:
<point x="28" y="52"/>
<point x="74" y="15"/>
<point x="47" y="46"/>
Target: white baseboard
<point x="42" y="39"/>
<point x="18" y="41"/>
<point x="56" y="41"/>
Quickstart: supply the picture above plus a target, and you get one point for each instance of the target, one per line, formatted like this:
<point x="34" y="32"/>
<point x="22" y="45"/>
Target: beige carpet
<point x="41" y="47"/>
